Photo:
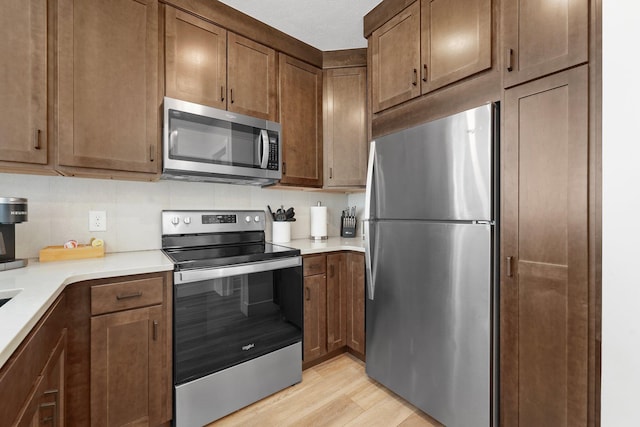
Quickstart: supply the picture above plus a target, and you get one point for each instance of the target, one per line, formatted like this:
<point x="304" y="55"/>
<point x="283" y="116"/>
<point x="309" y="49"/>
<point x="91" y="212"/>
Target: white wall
<point x="59" y="208"/>
<point x="621" y="215"/>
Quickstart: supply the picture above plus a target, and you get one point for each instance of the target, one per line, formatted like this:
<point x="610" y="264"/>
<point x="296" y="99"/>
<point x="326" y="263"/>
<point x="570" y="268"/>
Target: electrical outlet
<point x="97" y="221"/>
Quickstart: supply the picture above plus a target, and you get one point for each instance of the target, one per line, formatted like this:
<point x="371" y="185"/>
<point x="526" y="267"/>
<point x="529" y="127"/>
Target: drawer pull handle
<point x="221" y="93"/>
<point x="127" y="296"/>
<point x="415" y="77"/>
<point x="50" y="392"/>
<point x="36" y="139"/>
<point x="155" y="330"/>
<point x="424" y="77"/>
<point x="232" y="96"/>
<point x="509" y="59"/>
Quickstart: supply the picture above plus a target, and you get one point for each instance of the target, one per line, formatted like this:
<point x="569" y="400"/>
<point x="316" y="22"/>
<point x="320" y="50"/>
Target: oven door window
<point x="221" y="322"/>
<point x="209" y="140"/>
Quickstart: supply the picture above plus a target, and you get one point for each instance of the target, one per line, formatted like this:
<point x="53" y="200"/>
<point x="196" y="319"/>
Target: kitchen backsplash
<point x="59" y="208"/>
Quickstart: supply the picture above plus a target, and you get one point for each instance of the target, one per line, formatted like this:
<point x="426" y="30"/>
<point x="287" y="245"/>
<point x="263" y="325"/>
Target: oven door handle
<point x="235" y="270"/>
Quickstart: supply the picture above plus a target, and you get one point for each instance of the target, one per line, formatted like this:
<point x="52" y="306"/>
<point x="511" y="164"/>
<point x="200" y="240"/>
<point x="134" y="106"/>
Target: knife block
<point x="348" y="226"/>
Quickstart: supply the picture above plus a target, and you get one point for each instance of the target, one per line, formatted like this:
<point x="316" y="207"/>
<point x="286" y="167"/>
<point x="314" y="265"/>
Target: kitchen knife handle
<point x="307" y="292"/>
<point x="221" y="93"/>
<point x="509" y="266"/>
<point x="415" y="77"/>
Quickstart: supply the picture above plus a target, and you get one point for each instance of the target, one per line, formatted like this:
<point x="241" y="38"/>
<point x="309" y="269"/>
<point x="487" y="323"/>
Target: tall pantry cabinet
<point x="545" y="286"/>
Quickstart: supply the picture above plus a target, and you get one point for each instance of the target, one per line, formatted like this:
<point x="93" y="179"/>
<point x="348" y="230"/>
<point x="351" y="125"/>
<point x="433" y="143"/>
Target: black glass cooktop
<point x="217" y="256"/>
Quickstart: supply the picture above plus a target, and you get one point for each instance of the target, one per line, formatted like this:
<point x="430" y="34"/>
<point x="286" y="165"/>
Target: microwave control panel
<point x="272" y="164"/>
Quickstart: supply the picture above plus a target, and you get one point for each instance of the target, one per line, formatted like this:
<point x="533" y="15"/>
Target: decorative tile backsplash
<point x="59" y="208"/>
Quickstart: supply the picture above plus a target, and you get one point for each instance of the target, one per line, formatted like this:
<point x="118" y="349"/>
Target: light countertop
<point x="332" y="244"/>
<point x="37" y="285"/>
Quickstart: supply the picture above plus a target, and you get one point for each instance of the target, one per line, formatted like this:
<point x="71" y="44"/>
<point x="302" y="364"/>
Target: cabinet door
<point x="395" y="59"/>
<point x="540" y="38"/>
<point x="345" y="127"/>
<point x="195" y="59"/>
<point x="108" y="110"/>
<point x="544" y="275"/>
<point x="301" y="120"/>
<point x="336" y="301"/>
<point x="252" y="78"/>
<point x="128" y="376"/>
<point x="355" y="303"/>
<point x="456" y="40"/>
<point x="315" y="320"/>
<point x="23" y="85"/>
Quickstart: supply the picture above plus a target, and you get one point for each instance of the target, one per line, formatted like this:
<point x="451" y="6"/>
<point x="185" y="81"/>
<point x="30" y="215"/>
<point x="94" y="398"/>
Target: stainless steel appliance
<point x="202" y="143"/>
<point x="237" y="312"/>
<point x="431" y="250"/>
<point x="13" y="210"/>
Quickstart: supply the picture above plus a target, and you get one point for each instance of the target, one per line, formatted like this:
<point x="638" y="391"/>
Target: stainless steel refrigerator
<point x="431" y="244"/>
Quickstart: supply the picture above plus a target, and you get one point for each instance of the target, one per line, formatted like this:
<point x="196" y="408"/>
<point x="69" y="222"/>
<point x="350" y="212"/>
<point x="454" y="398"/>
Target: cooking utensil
<point x="271" y="212"/>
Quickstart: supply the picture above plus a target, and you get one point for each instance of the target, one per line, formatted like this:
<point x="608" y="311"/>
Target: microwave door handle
<point x="264" y="137"/>
<point x="172" y="140"/>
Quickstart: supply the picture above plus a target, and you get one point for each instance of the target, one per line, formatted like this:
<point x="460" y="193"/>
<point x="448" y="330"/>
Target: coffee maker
<point x="13" y="210"/>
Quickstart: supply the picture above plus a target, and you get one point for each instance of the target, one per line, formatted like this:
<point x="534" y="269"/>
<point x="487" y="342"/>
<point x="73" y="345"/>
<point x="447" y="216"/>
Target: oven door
<point x="228" y="315"/>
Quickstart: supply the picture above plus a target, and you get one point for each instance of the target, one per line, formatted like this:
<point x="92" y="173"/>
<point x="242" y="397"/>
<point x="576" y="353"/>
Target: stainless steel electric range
<point x="237" y="327"/>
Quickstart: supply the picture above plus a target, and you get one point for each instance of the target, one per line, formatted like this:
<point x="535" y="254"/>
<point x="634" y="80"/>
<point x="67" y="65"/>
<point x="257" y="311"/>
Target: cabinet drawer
<point x="126" y="295"/>
<point x="312" y="265"/>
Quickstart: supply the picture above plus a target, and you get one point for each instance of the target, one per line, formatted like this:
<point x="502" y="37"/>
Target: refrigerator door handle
<point x="368" y="257"/>
<point x="369" y="188"/>
<point x="368" y="254"/>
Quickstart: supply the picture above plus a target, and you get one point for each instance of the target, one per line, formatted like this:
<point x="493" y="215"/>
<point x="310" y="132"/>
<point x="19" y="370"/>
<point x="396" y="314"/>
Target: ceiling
<point x="324" y="24"/>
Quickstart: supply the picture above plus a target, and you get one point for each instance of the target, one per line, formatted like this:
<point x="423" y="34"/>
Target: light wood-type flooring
<point x="334" y="393"/>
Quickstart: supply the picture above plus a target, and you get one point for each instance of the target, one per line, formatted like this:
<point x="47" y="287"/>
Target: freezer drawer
<point x="429" y="323"/>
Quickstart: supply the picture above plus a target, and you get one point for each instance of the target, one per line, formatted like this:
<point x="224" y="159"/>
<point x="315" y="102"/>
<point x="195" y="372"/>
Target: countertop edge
<point x="332" y="244"/>
<point x="42" y="283"/>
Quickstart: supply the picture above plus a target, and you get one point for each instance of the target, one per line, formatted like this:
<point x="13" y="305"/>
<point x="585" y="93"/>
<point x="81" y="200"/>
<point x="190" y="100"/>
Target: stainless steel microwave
<point x="202" y="143"/>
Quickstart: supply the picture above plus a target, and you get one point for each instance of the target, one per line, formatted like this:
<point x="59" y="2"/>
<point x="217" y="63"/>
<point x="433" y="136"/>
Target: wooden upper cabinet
<point x="253" y="81"/>
<point x="23" y="85"/>
<point x="541" y="38"/>
<point x="544" y="276"/>
<point x="300" y="87"/>
<point x="211" y="66"/>
<point x="395" y="59"/>
<point x="107" y="85"/>
<point x="455" y="40"/>
<point x="195" y="59"/>
<point x="345" y="127"/>
<point x="428" y="45"/>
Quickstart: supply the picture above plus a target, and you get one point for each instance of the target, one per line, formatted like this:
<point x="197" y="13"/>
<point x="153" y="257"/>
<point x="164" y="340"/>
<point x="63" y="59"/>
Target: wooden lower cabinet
<point x="315" y="315"/>
<point x="544" y="290"/>
<point x="32" y="381"/>
<point x="333" y="306"/>
<point x="120" y="352"/>
<point x="355" y="301"/>
<point x="127" y="367"/>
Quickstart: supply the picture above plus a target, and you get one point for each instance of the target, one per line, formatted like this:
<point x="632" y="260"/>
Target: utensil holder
<point x="281" y="232"/>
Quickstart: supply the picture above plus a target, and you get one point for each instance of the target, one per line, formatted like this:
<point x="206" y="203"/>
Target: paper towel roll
<point x="318" y="216"/>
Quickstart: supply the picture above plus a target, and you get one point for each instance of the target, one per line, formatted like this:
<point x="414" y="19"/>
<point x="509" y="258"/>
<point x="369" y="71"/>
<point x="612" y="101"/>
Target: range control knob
<point x="247" y="218"/>
<point x="187" y="220"/>
<point x="256" y="218"/>
<point x="175" y="220"/>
